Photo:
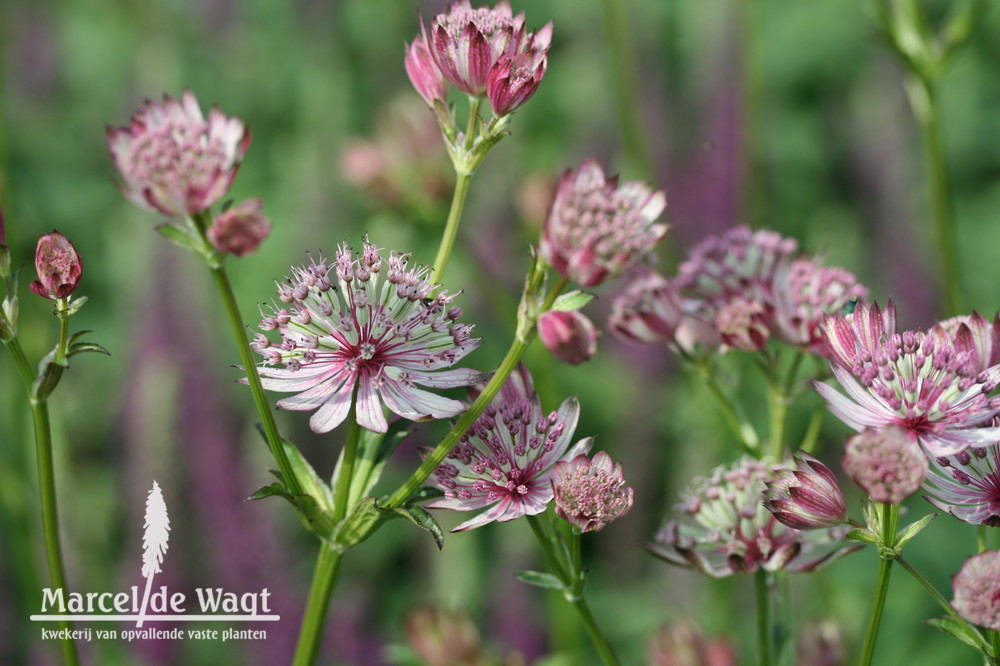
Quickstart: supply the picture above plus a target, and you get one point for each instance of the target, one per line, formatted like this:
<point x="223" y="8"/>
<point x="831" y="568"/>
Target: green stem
<point x="937" y="596"/>
<point x="778" y="403"/>
<point x="597" y="638"/>
<point x="569" y="578"/>
<point x="764" y="634"/>
<point x="462" y="180"/>
<point x="626" y="87"/>
<point x="923" y="98"/>
<point x="324" y="579"/>
<point x="274" y="441"/>
<point x="890" y="519"/>
<point x="451" y="226"/>
<point x="441" y="451"/>
<point x="342" y="492"/>
<point x="46" y="486"/>
<point x="981" y="539"/>
<point x="740" y="427"/>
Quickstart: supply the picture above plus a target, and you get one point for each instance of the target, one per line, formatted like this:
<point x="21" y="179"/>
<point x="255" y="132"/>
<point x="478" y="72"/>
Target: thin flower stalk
<point x="762" y="595"/>
<point x="890" y="520"/>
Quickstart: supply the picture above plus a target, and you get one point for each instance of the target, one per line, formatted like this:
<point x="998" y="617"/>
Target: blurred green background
<point x="833" y="160"/>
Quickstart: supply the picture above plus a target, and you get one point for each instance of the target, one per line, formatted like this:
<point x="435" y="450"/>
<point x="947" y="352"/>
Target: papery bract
<point x="570" y="336"/>
<point x="596" y="229"/>
<point x="807" y="497"/>
<point x="241" y="229"/>
<point x="913" y="380"/>
<point x="174" y="160"/>
<point x="381" y="335"/>
<point x="58" y="265"/>
<point x="726" y="530"/>
<point x="505" y="461"/>
<point x="424" y="73"/>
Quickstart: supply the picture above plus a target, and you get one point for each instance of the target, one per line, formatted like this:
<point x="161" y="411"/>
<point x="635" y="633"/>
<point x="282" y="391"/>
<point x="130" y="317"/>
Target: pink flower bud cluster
<point x="977" y="590"/>
<point x="590" y="493"/>
<point x="886" y="463"/>
<point x="483" y="52"/>
<point x="58" y="265"/>
<point x="745" y="288"/>
<point x="596" y="229"/>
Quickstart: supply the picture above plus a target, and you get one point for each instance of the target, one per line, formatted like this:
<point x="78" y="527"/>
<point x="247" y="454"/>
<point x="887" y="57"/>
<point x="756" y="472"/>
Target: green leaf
<point x="374" y="449"/>
<point x="183" y="238"/>
<point x="959" y="630"/>
<point x="913" y="529"/>
<point x="425" y="521"/>
<point x="81" y="347"/>
<point x="539" y="579"/>
<point x="49" y="374"/>
<point x="368" y="517"/>
<point x="308" y="478"/>
<point x="573" y="300"/>
<point x="314" y="517"/>
<point x="862" y="535"/>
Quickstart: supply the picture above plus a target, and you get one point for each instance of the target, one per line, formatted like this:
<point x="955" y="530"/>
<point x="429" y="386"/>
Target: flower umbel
<point x="886" y="463"/>
<point x="506" y="460"/>
<point x="379" y="336"/>
<point x="467" y="43"/>
<point x="967" y="485"/>
<point x="977" y="590"/>
<point x="597" y="229"/>
<point x="590" y="493"/>
<point x="931" y="386"/>
<point x="174" y="160"/>
<point x="728" y="531"/>
<point x="58" y="265"/>
<point x="807" y="497"/>
<point x="241" y="229"/>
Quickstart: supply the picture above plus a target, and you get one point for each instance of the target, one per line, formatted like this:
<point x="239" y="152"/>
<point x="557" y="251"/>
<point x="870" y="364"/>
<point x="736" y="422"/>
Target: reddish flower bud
<point x="570" y="336"/>
<point x="648" y="311"/>
<point x="512" y="81"/>
<point x="423" y="72"/>
<point x="590" y="493"/>
<point x="807" y="497"/>
<point x="241" y="229"/>
<point x="58" y="265"/>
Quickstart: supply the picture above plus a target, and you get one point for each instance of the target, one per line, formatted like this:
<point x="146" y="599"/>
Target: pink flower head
<point x="977" y="590"/>
<point x="467" y="43"/>
<point x="174" y="160"/>
<point x="512" y="81"/>
<point x="58" y="265"/>
<point x="886" y="463"/>
<point x="807" y="497"/>
<point x="423" y="72"/>
<point x="974" y="335"/>
<point x="241" y="229"/>
<point x="726" y="529"/>
<point x="648" y="311"/>
<point x="597" y="229"/>
<point x="967" y="485"/>
<point x="505" y="461"/>
<point x="752" y="287"/>
<point x="381" y="335"/>
<point x="928" y="386"/>
<point x="590" y="493"/>
<point x="683" y="644"/>
<point x="570" y="336"/>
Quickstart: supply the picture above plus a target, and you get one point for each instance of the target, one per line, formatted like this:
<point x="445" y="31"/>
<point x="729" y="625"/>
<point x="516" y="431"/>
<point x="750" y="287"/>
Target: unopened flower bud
<point x="648" y="311"/>
<point x="423" y="72"/>
<point x="742" y="324"/>
<point x="440" y="637"/>
<point x="241" y="229"/>
<point x="977" y="590"/>
<point x="58" y="265"/>
<point x="589" y="493"/>
<point x="807" y="497"/>
<point x="887" y="463"/>
<point x="512" y="81"/>
<point x="570" y="336"/>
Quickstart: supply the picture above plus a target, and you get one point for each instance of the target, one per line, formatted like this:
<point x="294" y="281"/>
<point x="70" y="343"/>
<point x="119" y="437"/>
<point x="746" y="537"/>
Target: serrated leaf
<point x="859" y="534"/>
<point x="183" y="238"/>
<point x="82" y="347"/>
<point x="959" y="630"/>
<point x="913" y="529"/>
<point x="313" y="516"/>
<point x="368" y="517"/>
<point x="424" y="521"/>
<point x="539" y="579"/>
<point x="573" y="300"/>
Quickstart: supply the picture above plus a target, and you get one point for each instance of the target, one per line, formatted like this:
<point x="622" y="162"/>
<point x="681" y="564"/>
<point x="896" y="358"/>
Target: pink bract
<point x="504" y="464"/>
<point x="424" y="73"/>
<point x="175" y="161"/>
